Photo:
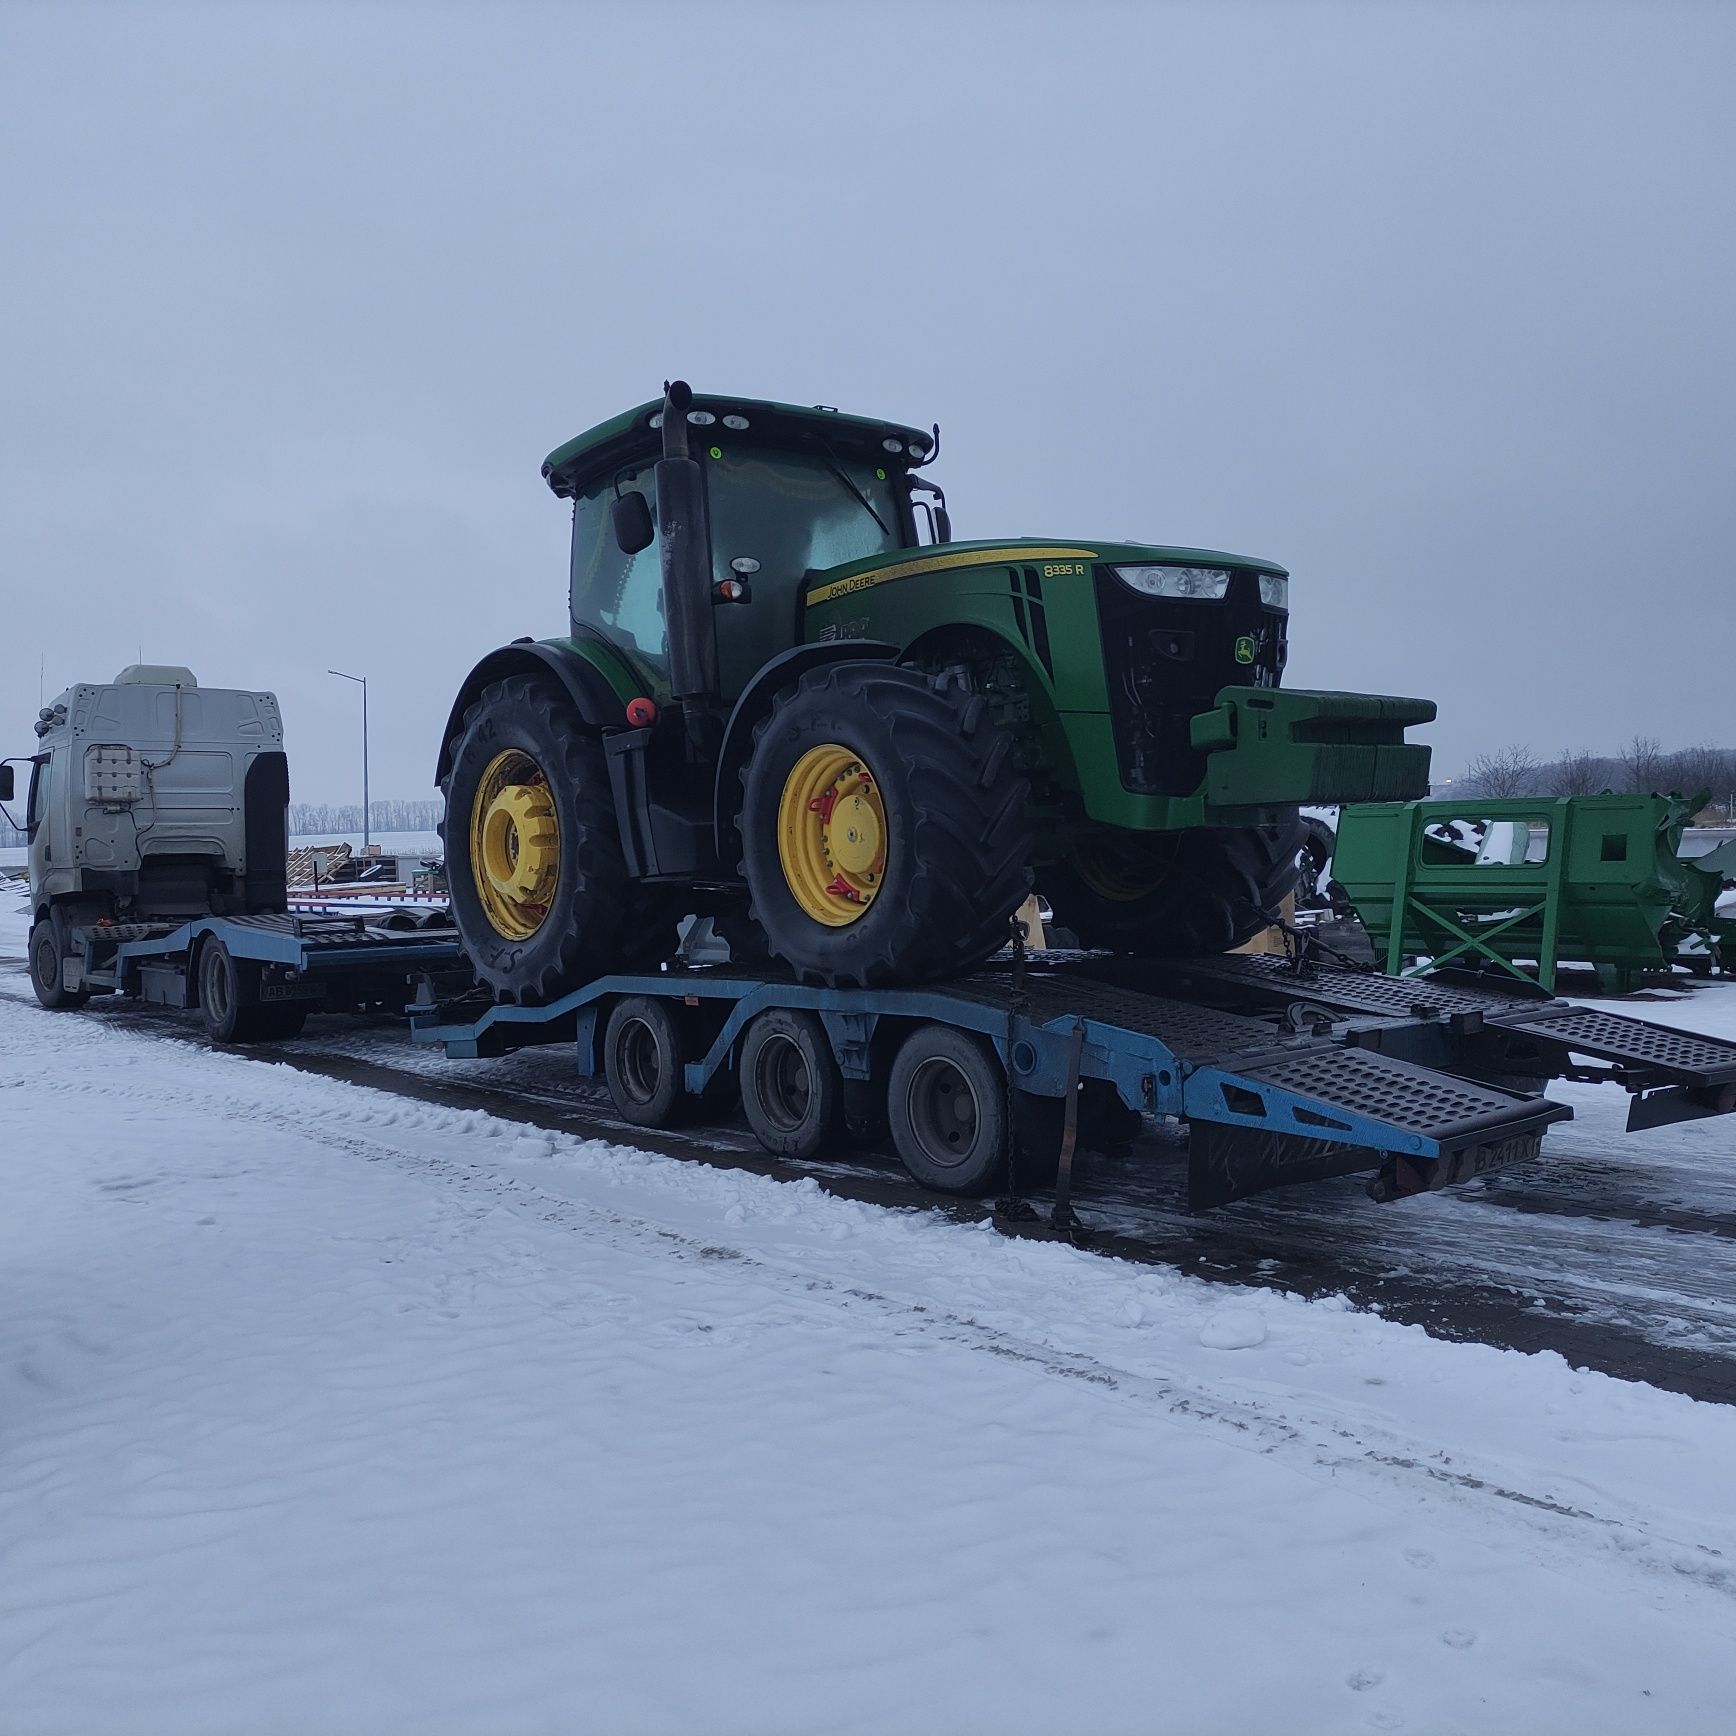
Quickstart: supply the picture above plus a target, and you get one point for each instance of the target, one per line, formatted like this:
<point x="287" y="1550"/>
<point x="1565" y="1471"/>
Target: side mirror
<point x="630" y="517"/>
<point x="5" y="783"/>
<point x="942" y="525"/>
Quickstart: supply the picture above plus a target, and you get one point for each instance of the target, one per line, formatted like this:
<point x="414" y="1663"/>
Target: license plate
<point x="296" y="991"/>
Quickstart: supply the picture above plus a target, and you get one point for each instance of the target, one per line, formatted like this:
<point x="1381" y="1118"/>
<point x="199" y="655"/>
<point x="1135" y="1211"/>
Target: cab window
<point x="796" y="512"/>
<point x="38" y="795"/>
<point x="620" y="595"/>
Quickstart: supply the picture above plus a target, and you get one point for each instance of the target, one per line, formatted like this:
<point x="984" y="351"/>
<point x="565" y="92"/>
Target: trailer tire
<point x="791" y="1090"/>
<point x="1175" y="894"/>
<point x="644" y="1062"/>
<point x="229" y="996"/>
<point x="47" y="957"/>
<point x="946" y="1100"/>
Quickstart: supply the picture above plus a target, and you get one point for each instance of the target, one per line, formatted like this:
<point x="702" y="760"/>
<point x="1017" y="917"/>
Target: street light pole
<point x="367" y="810"/>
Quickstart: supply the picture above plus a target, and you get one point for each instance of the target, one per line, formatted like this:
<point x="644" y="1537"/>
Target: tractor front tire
<point x="883" y="827"/>
<point x="1174" y="894"/>
<point x="539" y="886"/>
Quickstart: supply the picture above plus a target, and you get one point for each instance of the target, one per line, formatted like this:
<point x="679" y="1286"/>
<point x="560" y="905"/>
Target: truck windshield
<point x="794" y="512"/>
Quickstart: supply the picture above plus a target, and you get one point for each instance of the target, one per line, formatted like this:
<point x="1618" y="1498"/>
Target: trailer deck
<point x="1282" y="1075"/>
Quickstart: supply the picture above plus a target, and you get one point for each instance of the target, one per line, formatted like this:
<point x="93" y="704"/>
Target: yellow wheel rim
<point x="1123" y="874"/>
<point x="832" y="835"/>
<point x="515" y="845"/>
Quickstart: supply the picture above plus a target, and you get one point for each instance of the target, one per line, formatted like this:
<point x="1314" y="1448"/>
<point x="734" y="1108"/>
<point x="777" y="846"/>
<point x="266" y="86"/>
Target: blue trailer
<point x="988" y="1083"/>
<point x="256" y="978"/>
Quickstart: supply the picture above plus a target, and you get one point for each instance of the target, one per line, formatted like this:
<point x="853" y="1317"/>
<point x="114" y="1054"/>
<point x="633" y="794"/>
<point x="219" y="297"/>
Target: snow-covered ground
<point x="325" y="1409"/>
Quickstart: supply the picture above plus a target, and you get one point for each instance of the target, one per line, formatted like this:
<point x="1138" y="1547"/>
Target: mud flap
<point x="1227" y="1163"/>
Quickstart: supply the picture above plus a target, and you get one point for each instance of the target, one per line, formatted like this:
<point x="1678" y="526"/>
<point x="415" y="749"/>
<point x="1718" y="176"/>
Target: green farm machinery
<point x="789" y="701"/>
<point x="1519" y="884"/>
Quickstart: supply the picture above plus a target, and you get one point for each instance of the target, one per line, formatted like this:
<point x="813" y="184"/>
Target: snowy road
<point x="325" y="1407"/>
<point x="1617" y="1250"/>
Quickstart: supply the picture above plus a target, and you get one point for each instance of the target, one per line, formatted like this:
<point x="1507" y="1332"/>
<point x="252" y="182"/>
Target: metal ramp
<point x="1672" y="1075"/>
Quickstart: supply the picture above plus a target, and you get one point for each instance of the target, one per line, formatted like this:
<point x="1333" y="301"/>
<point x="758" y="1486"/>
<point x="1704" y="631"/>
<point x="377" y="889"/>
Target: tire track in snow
<point x="1393" y="1469"/>
<point x="1622" y="1294"/>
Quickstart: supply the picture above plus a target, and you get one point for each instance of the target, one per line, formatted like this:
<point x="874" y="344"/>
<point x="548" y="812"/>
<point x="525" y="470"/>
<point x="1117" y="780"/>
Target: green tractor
<point x="789" y="701"/>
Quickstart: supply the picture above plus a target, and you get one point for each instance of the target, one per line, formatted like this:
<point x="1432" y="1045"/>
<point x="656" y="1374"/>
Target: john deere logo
<point x="1245" y="648"/>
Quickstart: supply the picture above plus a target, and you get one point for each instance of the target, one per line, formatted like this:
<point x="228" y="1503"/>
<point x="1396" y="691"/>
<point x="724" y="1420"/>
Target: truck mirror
<point x="5" y="783"/>
<point x="630" y="515"/>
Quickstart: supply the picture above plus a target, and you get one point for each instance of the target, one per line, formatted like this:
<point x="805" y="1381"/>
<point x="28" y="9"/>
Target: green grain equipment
<point x="788" y="700"/>
<point x="1518" y="884"/>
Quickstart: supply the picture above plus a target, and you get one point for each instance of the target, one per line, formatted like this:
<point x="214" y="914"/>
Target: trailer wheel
<point x="947" y="1102"/>
<point x="229" y="996"/>
<point x="791" y="1090"/>
<point x="643" y="1060"/>
<point x="47" y="955"/>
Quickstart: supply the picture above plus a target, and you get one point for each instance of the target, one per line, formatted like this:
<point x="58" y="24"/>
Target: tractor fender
<point x="594" y="699"/>
<point x="755" y="701"/>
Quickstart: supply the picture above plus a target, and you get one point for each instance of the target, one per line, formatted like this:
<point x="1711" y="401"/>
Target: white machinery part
<point x="112" y="775"/>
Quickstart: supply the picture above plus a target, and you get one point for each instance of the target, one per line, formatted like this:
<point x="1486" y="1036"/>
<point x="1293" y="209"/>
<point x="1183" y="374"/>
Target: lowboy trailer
<point x="988" y="1083"/>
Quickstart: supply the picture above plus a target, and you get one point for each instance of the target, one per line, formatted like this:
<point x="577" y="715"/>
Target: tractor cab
<point x="785" y="492"/>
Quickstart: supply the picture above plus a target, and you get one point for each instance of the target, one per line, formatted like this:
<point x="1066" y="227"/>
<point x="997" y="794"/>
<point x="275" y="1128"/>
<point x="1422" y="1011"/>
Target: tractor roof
<point x="632" y="435"/>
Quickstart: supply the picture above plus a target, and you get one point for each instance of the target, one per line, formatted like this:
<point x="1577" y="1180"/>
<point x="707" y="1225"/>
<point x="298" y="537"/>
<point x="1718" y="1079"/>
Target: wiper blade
<point x="863" y="501"/>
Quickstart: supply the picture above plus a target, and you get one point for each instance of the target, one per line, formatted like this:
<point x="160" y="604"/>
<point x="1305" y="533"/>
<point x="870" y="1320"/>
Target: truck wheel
<point x="1174" y="893"/>
<point x="539" y="887"/>
<point x="644" y="1056"/>
<point x="47" y="956"/>
<point x="946" y="1099"/>
<point x="883" y="827"/>
<point x="791" y="1090"/>
<point x="229" y="996"/>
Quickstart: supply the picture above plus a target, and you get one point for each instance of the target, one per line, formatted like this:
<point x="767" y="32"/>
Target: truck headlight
<point x="1206" y="583"/>
<point x="1274" y="590"/>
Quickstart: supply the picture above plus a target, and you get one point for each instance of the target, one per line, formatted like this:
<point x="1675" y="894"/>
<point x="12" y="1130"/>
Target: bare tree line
<point x="314" y="819"/>
<point x="1644" y="767"/>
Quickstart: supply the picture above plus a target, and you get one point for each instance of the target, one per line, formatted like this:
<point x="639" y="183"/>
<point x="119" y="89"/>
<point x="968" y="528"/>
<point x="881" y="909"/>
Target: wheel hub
<point x="515" y="845"/>
<point x="832" y="835"/>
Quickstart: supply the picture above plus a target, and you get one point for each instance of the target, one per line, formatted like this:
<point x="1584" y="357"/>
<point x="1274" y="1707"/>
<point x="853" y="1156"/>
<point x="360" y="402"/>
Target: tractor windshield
<point x="795" y="512"/>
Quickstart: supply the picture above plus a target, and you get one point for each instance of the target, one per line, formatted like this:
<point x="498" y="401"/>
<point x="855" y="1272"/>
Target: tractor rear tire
<point x="592" y="919"/>
<point x="1175" y="894"/>
<point x="947" y="809"/>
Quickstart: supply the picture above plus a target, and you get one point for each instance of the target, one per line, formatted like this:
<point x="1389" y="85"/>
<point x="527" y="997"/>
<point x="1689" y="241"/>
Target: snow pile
<point x="323" y="1409"/>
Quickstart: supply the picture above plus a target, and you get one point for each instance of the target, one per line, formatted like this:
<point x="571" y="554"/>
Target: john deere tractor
<point x="789" y="701"/>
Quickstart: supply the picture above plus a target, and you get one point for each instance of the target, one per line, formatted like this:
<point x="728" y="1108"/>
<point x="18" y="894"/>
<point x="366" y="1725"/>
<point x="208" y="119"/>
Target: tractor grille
<point x="1164" y="661"/>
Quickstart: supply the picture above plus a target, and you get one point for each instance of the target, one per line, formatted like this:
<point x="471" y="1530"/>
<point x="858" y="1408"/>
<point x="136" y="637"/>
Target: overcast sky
<point x="1434" y="304"/>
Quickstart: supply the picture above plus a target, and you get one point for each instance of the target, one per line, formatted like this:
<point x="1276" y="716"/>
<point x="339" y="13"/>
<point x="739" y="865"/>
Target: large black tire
<point x="791" y="1089"/>
<point x="946" y="1100"/>
<point x="229" y="997"/>
<point x="46" y="956"/>
<point x="597" y="920"/>
<point x="644" y="1062"/>
<point x="957" y="842"/>
<point x="1188" y="893"/>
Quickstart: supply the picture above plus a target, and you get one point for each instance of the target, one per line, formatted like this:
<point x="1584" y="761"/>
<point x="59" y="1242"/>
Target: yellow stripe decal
<point x="939" y="564"/>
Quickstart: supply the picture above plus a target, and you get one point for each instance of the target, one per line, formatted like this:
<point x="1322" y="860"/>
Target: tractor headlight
<point x="1206" y="583"/>
<point x="1274" y="590"/>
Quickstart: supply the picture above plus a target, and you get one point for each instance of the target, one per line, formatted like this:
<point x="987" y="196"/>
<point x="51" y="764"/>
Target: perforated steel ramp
<point x="1268" y="978"/>
<point x="1193" y="1032"/>
<point x="1437" y="1106"/>
<point x="1681" y="1057"/>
